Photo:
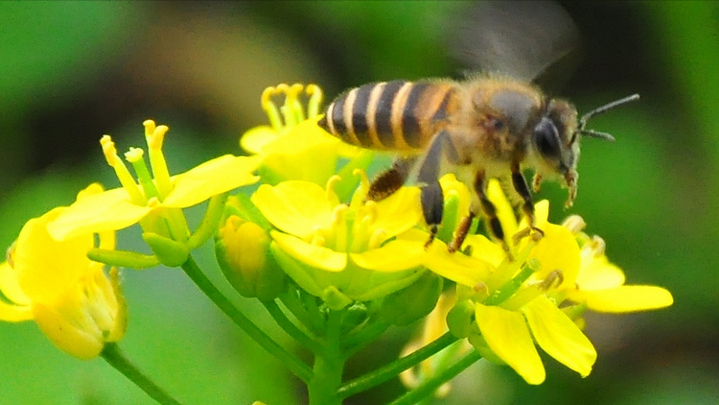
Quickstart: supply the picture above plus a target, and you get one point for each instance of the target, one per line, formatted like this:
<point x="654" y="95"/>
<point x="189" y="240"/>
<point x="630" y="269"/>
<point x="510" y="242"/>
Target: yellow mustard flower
<point x="54" y="283"/>
<point x="156" y="200"/>
<point x="342" y="252"/>
<point x="600" y="284"/>
<point x="516" y="298"/>
<point x="294" y="147"/>
<point x="511" y="311"/>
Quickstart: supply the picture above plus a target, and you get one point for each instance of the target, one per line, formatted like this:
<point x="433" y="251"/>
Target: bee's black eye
<point x="546" y="138"/>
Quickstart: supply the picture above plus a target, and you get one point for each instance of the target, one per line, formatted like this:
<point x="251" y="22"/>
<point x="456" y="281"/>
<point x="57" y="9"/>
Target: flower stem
<point x="297" y="367"/>
<point x="288" y="326"/>
<point x="113" y="356"/>
<point x="329" y="365"/>
<point x="429" y="386"/>
<point x="391" y="370"/>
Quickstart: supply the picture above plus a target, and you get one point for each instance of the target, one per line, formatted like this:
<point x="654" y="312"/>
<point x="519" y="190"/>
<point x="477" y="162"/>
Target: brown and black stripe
<point x="396" y="115"/>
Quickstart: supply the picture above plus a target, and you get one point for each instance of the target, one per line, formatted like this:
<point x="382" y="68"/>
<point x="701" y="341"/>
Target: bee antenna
<point x="600" y="110"/>
<point x="597" y="134"/>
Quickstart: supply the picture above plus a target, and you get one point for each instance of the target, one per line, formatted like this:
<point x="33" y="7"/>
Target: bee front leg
<point x="520" y="185"/>
<point x="490" y="212"/>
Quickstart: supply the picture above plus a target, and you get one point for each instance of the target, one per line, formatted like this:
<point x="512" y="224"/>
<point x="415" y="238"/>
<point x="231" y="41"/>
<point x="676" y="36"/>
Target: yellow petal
<point x="628" y="298"/>
<point x="255" y="139"/>
<point x="395" y="255"/>
<point x="70" y="328"/>
<point x="507" y="334"/>
<point x="15" y="313"/>
<point x="505" y="212"/>
<point x="485" y="249"/>
<point x="457" y="267"/>
<point x="45" y="267"/>
<point x="296" y="207"/>
<point x="211" y="178"/>
<point x="305" y="153"/>
<point x="599" y="274"/>
<point x="558" y="250"/>
<point x="10" y="287"/>
<point x="312" y="255"/>
<point x="399" y="212"/>
<point x="107" y="211"/>
<point x="557" y="335"/>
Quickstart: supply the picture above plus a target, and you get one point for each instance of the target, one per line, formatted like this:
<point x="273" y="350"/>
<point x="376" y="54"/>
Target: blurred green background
<point x="73" y="71"/>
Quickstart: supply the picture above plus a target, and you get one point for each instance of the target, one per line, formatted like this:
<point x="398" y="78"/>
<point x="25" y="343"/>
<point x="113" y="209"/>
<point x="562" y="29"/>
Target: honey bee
<point x="490" y="126"/>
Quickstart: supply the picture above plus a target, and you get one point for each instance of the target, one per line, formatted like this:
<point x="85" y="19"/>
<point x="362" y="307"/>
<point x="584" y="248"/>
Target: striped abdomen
<point x="395" y="115"/>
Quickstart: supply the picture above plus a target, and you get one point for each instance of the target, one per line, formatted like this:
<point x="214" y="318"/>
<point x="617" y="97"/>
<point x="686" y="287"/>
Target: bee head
<point x="556" y="138"/>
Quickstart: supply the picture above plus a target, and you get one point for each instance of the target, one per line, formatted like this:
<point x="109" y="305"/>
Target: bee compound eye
<point x="546" y="138"/>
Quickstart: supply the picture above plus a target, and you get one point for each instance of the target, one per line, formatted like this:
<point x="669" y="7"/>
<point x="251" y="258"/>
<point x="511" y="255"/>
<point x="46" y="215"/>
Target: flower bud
<point x="169" y="252"/>
<point x="460" y="319"/>
<point x="242" y="251"/>
<point x="413" y="302"/>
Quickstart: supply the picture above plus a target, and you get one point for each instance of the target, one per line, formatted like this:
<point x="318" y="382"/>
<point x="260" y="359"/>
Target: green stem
<point x="329" y="365"/>
<point x="360" y="339"/>
<point x="298" y="368"/>
<point x="430" y="386"/>
<point x="288" y="326"/>
<point x="113" y="356"/>
<point x="393" y="369"/>
<point x="290" y="298"/>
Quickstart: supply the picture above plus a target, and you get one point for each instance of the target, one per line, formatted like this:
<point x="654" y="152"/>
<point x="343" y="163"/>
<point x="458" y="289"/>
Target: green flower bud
<point x="355" y="315"/>
<point x="169" y="252"/>
<point x="242" y="251"/>
<point x="460" y="319"/>
<point x="414" y="302"/>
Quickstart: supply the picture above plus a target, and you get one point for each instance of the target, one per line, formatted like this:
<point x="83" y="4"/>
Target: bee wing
<point x="521" y="39"/>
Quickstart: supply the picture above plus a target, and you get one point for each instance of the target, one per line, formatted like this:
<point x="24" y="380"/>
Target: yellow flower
<point x="517" y="299"/>
<point x="294" y="147"/>
<point x="55" y="284"/>
<point x="157" y="200"/>
<point x="600" y="284"/>
<point x="342" y="252"/>
<point x="511" y="310"/>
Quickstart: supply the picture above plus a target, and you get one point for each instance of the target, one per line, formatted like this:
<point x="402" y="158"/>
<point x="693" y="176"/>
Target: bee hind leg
<point x="521" y="186"/>
<point x="391" y="180"/>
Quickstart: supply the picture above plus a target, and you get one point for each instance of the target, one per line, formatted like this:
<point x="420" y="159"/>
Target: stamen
<point x="313" y="106"/>
<point x="599" y="246"/>
<point x="330" y="189"/>
<point x="555" y="278"/>
<point x="294" y="113"/>
<point x="376" y="239"/>
<point x="155" y="137"/>
<point x="364" y="181"/>
<point x="575" y="224"/>
<point x="126" y="179"/>
<point x="340" y="231"/>
<point x="273" y="113"/>
<point x="317" y="239"/>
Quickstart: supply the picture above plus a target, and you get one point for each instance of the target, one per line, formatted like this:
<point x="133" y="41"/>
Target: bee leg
<point x="428" y="175"/>
<point x="390" y="181"/>
<point x="461" y="232"/>
<point x="521" y="186"/>
<point x="490" y="211"/>
<point x="432" y="208"/>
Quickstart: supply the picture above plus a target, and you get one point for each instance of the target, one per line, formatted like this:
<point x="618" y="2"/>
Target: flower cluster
<point x="307" y="237"/>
